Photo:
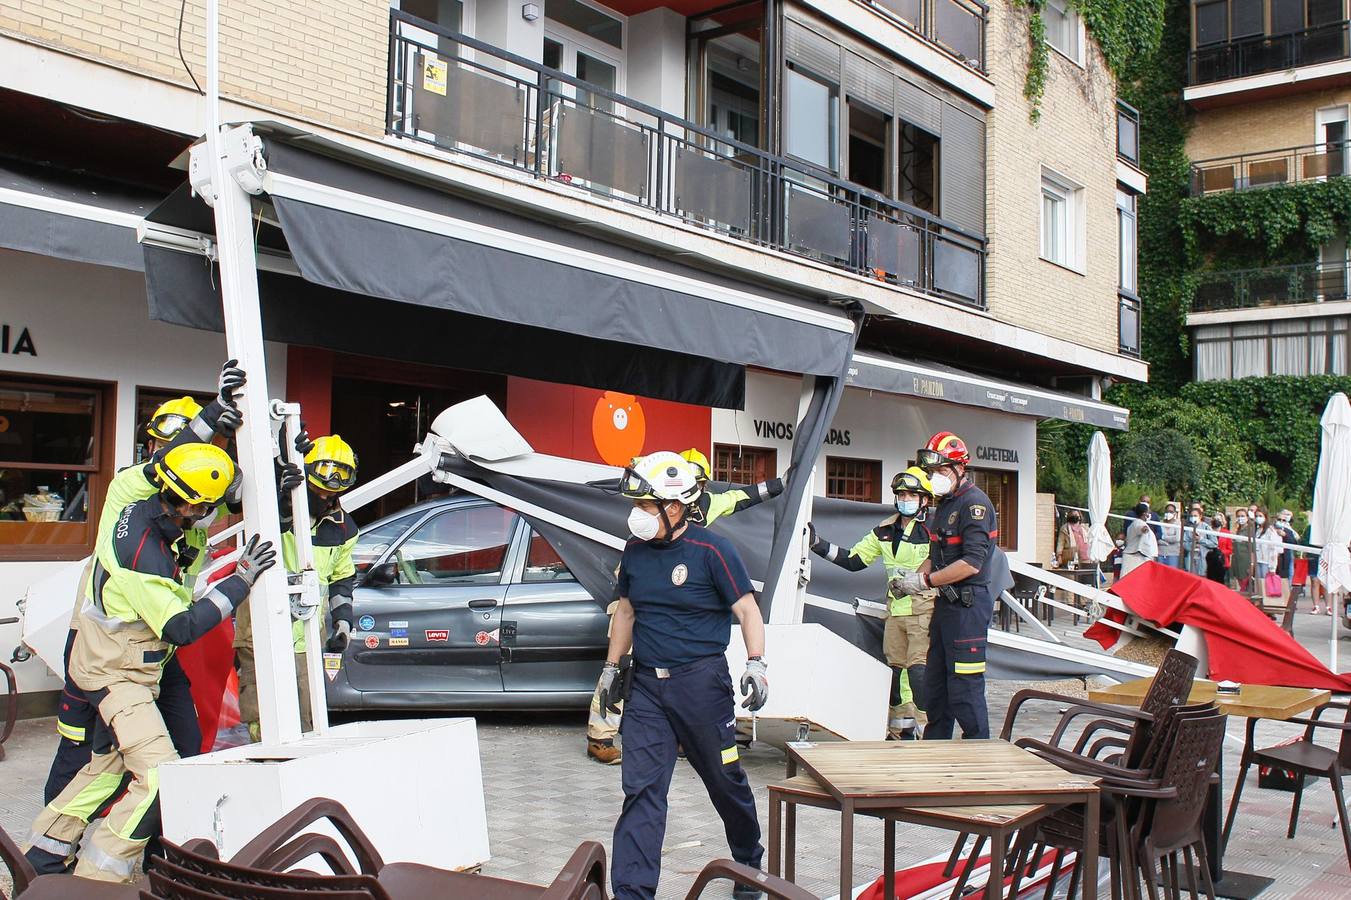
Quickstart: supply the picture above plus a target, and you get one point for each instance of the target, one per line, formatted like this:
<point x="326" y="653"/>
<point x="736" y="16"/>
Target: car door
<point x="437" y="627"/>
<point x="554" y="633"/>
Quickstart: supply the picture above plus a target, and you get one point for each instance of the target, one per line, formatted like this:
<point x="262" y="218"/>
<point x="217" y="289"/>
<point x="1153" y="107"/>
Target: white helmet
<point x="660" y="476"/>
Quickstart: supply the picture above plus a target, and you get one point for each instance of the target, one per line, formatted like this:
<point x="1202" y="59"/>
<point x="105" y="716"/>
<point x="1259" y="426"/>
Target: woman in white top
<point x="1140" y="544"/>
<point x="1268" y="544"/>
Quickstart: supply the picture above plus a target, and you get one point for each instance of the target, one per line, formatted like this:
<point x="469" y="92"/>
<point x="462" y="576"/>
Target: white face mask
<point x="940" y="483"/>
<point x="1261" y="519"/>
<point x="644" y="525"/>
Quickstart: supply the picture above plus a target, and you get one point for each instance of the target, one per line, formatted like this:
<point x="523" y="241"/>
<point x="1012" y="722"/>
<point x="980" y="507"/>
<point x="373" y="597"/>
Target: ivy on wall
<point x="1269" y="226"/>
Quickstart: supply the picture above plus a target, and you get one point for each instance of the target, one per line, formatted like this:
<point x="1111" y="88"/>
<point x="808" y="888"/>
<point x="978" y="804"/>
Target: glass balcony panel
<point x="958" y="27"/>
<point x="597" y="148"/>
<point x="1268" y="171"/>
<point x="894" y="250"/>
<point x="817" y="224"/>
<point x="460" y="105"/>
<point x="956" y="269"/>
<point x="711" y="189"/>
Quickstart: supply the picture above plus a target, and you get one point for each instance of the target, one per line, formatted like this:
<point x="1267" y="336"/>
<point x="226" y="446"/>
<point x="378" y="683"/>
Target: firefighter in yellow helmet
<point x="902" y="543"/>
<point x="137" y="611"/>
<point x="330" y="469"/>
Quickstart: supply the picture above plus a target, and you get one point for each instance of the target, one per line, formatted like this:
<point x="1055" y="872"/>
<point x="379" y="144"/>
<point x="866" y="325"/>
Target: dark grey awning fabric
<point x="68" y="217"/>
<point x="934" y="381"/>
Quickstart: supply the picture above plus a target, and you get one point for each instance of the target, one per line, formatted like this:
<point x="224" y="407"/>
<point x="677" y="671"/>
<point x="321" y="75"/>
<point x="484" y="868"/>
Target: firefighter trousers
<point x="129" y="737"/>
<point x="955" y="678"/>
<point x="248" y="690"/>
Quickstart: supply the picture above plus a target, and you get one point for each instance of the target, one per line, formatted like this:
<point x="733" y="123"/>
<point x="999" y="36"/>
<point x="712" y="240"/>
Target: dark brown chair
<point x="1307" y="760"/>
<point x="32" y="886"/>
<point x="735" y="872"/>
<point x="11" y="709"/>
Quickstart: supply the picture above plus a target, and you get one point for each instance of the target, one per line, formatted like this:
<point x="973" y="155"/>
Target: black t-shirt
<point x="682" y="593"/>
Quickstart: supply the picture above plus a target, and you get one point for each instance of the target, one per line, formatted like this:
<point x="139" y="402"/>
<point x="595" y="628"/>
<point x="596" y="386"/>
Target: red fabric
<point x="926" y="877"/>
<point x="1244" y="645"/>
<point x="1106" y="635"/>
<point x="1226" y="545"/>
<point x="1301" y="575"/>
<point x="209" y="664"/>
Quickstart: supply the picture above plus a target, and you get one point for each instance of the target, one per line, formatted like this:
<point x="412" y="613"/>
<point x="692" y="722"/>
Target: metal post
<point x="229" y="156"/>
<point x="792" y="580"/>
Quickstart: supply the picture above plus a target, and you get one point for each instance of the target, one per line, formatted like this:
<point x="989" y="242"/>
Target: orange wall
<point x="563" y="420"/>
<point x="309" y="382"/>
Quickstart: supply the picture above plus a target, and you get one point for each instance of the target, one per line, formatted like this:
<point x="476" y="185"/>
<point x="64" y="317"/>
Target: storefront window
<point x="735" y="464"/>
<point x="854" y="479"/>
<point x="1001" y="487"/>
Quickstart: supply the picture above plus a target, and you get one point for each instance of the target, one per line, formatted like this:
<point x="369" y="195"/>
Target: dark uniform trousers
<point x="956" y="688"/>
<point x="78" y="716"/>
<point x="695" y="708"/>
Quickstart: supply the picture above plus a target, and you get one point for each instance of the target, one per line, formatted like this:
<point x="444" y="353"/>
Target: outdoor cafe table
<point x="867" y="776"/>
<point x="1253" y="701"/>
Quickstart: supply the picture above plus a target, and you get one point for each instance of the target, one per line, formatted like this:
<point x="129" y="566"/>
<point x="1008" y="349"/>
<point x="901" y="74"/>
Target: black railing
<point x="1274" y="286"/>
<point x="504" y="108"/>
<point x="1127" y="132"/>
<point x="1128" y="324"/>
<point x="1269" y="167"/>
<point x="1269" y="53"/>
<point x="957" y="26"/>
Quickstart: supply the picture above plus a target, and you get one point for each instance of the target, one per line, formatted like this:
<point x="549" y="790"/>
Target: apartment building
<point x="830" y="154"/>
<point x="1269" y="87"/>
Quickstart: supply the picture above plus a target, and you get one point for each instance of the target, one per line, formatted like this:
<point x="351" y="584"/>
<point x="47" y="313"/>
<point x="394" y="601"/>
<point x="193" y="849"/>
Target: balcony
<point x="1127" y="133"/>
<point x="1268" y="53"/>
<point x="957" y="26"/>
<point x="1223" y="174"/>
<point x="1128" y="324"/>
<point x="498" y="107"/>
<point x="1274" y="286"/>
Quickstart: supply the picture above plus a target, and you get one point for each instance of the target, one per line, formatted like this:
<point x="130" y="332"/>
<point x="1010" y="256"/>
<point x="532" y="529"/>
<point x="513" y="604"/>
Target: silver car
<point x="462" y="605"/>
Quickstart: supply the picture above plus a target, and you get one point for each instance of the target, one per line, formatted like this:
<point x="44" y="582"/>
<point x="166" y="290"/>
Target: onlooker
<point x="1198" y="539"/>
<point x="1140" y="545"/>
<point x="1268" y="548"/>
<point x="1170" y="537"/>
<point x="1241" y="560"/>
<point x="1072" y="544"/>
<point x="1285" y="565"/>
<point x="1217" y="558"/>
<point x="1151" y="517"/>
<point x="1316" y="591"/>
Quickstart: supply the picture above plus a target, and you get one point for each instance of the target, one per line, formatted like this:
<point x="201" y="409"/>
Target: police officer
<point x="174" y="422"/>
<point x="602" y="725"/>
<point x="680" y="587"/>
<point x="964" y="527"/>
<point x="330" y="469"/>
<point x="902" y="543"/>
<point x="137" y="611"/>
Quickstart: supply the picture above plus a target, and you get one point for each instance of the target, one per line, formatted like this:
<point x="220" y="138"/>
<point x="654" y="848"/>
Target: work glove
<point x="187" y="556"/>
<point x="909" y="584"/>
<point x="256" y="559"/>
<point x="228" y="422"/>
<point x="303" y="442"/>
<point x="611" y="688"/>
<point x="341" y="636"/>
<point x="755" y="683"/>
<point x="232" y="378"/>
<point x="234" y="494"/>
<point x="814" y="542"/>
<point x="291" y="477"/>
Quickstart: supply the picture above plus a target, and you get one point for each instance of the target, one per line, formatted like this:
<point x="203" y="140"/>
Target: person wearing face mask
<point x="1268" y="548"/>
<point x="680" y="588"/>
<point x="173" y="423"/>
<point x="137" y="611"/>
<point x="1285" y="563"/>
<point x="1198" y="539"/>
<point x="1072" y="542"/>
<point x="963" y="527"/>
<point x="330" y="469"/>
<point x="1241" y="561"/>
<point x="902" y="543"/>
<point x="1140" y="545"/>
<point x="1170" y="537"/>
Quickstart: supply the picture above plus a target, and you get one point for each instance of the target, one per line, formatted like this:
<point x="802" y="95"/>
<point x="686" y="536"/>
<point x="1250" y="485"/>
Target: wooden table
<point x="1253" y="701"/>
<point x="865" y="776"/>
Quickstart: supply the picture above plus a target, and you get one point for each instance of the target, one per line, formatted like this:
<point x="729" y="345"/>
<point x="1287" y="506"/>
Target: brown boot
<point x="604" y="752"/>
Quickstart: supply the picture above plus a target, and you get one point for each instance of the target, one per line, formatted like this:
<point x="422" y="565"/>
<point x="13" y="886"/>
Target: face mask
<point x="1168" y="517"/>
<point x="1261" y="519"/>
<point x="644" y="525"/>
<point x="940" y="483"/>
<point x="1195" y="519"/>
<point x="907" y="507"/>
<point x="1243" y="520"/>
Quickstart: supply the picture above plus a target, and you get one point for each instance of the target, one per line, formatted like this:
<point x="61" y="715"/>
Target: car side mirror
<point x="385" y="573"/>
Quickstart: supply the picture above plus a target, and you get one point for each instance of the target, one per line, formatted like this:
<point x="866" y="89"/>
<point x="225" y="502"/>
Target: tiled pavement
<point x="544" y="797"/>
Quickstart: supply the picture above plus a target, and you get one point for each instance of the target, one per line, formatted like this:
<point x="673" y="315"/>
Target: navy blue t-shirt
<point x="682" y="593"/>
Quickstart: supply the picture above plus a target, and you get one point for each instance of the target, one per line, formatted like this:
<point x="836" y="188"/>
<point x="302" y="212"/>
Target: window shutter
<point x="918" y="107"/>
<point x="811" y="51"/>
<point x="867" y="82"/>
<point x="961" y="190"/>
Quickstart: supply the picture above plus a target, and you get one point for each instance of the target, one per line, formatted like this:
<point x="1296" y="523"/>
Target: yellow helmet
<point x="702" y="470"/>
<point x="171" y="418"/>
<point x="197" y="473"/>
<point x="661" y="476"/>
<point x="331" y="464"/>
<point x="912" y="479"/>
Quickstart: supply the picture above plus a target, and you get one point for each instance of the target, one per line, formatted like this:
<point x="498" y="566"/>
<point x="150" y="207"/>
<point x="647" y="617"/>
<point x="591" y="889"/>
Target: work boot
<point x="603" y="751"/>
<point x="746" y="892"/>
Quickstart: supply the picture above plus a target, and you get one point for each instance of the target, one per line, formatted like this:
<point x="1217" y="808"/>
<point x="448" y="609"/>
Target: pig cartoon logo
<point x="618" y="427"/>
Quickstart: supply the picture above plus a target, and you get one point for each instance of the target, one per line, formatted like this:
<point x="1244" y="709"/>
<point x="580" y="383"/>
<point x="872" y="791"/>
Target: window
<point x="918" y="168"/>
<point x="1287" y="16"/>
<point x="147" y="401"/>
<point x="373" y="542"/>
<point x="55" y="458"/>
<point x="1062" y="239"/>
<point x="1002" y="489"/>
<point x="542" y="563"/>
<point x="1063" y="31"/>
<point x="1245" y="18"/>
<point x="854" y="479"/>
<point x="586" y="20"/>
<point x="736" y="464"/>
<point x="460" y="546"/>
<point x="1126" y="242"/>
<point x="1212" y="23"/>
<point x="811" y="116"/>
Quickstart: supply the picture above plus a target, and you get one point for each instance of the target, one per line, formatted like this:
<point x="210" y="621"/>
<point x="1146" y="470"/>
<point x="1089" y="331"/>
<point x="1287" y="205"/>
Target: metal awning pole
<point x="791" y="581"/>
<point x="233" y="156"/>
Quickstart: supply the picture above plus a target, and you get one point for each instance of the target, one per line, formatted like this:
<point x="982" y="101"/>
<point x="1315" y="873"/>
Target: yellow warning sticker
<point x="730" y="755"/>
<point x="434" y="75"/>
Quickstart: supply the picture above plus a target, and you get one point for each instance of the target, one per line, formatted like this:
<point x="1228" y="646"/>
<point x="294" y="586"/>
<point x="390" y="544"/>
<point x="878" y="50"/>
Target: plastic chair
<point x="32" y="886"/>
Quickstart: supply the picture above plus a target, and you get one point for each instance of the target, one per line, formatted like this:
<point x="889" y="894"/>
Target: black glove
<point x="304" y="443"/>
<point x="228" y="422"/>
<point x="256" y="559"/>
<point x="187" y="556"/>
<point x="234" y="493"/>
<point x="291" y="478"/>
<point x="232" y="378"/>
<point x="814" y="542"/>
<point x="340" y="638"/>
<point x="611" y="688"/>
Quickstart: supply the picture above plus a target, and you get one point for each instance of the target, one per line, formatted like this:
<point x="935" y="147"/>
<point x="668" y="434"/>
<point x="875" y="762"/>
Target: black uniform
<point x="963" y="526"/>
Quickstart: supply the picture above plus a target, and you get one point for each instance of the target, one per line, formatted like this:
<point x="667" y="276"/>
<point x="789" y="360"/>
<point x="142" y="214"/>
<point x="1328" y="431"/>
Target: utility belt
<point x="676" y="671"/>
<point x="958" y="594"/>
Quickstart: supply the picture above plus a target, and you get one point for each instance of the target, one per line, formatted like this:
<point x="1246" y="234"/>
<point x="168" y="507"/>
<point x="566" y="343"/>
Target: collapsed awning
<point x="481" y="287"/>
<point x="934" y="381"/>
<point x="65" y="216"/>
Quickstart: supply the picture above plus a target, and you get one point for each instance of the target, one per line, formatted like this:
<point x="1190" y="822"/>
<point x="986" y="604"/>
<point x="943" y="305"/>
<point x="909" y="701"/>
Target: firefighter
<point x="175" y="422"/>
<point x="963" y="526"/>
<point x="137" y="611"/>
<point x="902" y="543"/>
<point x="707" y="508"/>
<point x="330" y="469"/>
<point x="680" y="587"/>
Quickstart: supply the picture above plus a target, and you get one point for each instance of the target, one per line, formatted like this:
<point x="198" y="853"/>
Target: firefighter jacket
<point x="901" y="547"/>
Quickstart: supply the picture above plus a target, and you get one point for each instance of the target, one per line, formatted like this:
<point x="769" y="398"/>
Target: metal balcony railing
<point x="494" y="105"/>
<point x="1269" y="53"/>
<point x="1273" y="286"/>
<point x="1270" y="167"/>
<point x="957" y="26"/>
<point x="1127" y="133"/>
<point x="1128" y="324"/>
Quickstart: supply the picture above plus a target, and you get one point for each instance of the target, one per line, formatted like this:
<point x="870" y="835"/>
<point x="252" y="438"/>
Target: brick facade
<point x="1076" y="137"/>
<point x="1260" y="126"/>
